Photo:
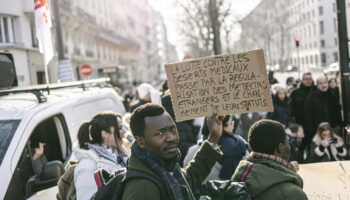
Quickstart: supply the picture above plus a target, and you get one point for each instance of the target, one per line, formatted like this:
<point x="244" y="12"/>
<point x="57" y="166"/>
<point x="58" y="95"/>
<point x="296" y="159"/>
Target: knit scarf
<point x="163" y="169"/>
<point x="257" y="155"/>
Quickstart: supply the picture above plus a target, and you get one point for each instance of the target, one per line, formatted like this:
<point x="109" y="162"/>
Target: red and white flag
<point x="43" y="25"/>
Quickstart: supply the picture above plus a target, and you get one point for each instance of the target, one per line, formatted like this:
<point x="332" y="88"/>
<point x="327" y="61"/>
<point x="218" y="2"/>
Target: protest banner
<point x="327" y="180"/>
<point x="230" y="84"/>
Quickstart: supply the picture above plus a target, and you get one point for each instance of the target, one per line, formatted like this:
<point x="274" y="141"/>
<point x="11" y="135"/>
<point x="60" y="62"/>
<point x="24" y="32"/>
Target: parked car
<point x="53" y="117"/>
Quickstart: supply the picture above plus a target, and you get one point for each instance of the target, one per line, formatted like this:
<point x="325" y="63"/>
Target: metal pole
<point x="344" y="60"/>
<point x="58" y="30"/>
<point x="299" y="66"/>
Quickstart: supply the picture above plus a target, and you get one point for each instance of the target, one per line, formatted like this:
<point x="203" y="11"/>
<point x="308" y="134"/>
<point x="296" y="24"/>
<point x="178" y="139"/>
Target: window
<point x="311" y="60"/>
<point x="321" y="27"/>
<point x="316" y="59"/>
<point x="335" y="24"/>
<point x="335" y="55"/>
<point x="323" y="58"/>
<point x="306" y="59"/>
<point x="334" y="8"/>
<point x="320" y="10"/>
<point x="335" y="41"/>
<point x="32" y="31"/>
<point x="6" y="30"/>
<point x="29" y="176"/>
<point x="323" y="43"/>
<point x="7" y="130"/>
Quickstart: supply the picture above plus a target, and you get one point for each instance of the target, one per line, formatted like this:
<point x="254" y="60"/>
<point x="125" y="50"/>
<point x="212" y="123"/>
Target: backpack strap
<point x="137" y="174"/>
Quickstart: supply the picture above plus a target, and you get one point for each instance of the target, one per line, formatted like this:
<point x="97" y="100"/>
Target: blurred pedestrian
<point x="233" y="147"/>
<point x="298" y="98"/>
<point x="335" y="107"/>
<point x="318" y="107"/>
<point x="156" y="153"/>
<point x="282" y="111"/>
<point x="326" y="145"/>
<point x="266" y="171"/>
<point x="100" y="145"/>
<point x="144" y="95"/>
<point x="295" y="133"/>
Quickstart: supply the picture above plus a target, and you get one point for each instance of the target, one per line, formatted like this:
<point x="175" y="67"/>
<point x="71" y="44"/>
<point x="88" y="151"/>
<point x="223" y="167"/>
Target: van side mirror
<point x="49" y="177"/>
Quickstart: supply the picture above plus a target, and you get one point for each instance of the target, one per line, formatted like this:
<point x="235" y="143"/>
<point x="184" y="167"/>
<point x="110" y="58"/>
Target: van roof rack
<point x="39" y="89"/>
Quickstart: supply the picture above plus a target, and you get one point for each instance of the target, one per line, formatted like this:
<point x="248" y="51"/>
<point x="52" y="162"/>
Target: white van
<point x="56" y="121"/>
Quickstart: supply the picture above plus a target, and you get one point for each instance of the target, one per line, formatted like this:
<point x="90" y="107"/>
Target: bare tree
<point x="201" y="25"/>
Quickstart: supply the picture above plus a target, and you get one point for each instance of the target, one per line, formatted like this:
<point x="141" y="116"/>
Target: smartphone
<point x="334" y="140"/>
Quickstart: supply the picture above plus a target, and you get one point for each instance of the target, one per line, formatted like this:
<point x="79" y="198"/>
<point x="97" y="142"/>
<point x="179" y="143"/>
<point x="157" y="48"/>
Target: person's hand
<point x="38" y="151"/>
<point x="295" y="165"/>
<point x="340" y="142"/>
<point x="215" y="127"/>
<point x="325" y="142"/>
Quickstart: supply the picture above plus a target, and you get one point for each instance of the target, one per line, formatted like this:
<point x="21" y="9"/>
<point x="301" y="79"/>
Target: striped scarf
<point x="257" y="155"/>
<point x="163" y="169"/>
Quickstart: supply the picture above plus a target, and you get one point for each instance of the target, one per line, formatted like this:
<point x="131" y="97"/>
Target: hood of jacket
<point x="81" y="154"/>
<point x="264" y="174"/>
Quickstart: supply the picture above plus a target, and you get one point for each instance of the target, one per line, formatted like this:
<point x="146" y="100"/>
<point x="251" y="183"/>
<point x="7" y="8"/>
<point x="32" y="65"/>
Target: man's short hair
<point x="265" y="135"/>
<point x="306" y="74"/>
<point x="137" y="119"/>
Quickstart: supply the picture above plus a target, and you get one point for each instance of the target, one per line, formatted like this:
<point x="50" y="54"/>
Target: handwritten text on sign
<point x="230" y="83"/>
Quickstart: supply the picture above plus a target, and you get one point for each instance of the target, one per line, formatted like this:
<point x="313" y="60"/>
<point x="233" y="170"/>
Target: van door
<point x="41" y="162"/>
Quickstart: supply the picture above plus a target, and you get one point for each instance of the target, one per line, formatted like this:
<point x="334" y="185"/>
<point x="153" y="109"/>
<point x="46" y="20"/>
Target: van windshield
<point x="7" y="130"/>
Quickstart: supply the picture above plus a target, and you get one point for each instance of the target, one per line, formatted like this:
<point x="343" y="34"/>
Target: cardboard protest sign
<point x="230" y="83"/>
<point x="327" y="180"/>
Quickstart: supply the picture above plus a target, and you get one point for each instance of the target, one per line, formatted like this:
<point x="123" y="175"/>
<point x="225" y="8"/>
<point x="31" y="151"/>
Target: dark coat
<point x="335" y="108"/>
<point x="197" y="170"/>
<point x="298" y="98"/>
<point x="269" y="180"/>
<point x="295" y="153"/>
<point x="138" y="104"/>
<point x="282" y="111"/>
<point x="318" y="107"/>
<point x="233" y="148"/>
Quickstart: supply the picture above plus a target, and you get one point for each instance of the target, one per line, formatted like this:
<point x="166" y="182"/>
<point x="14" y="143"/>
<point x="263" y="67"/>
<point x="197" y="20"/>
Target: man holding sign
<point x="156" y="153"/>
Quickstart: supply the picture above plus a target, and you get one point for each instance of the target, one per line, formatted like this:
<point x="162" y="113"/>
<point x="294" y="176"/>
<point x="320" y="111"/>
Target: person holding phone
<point x="326" y="145"/>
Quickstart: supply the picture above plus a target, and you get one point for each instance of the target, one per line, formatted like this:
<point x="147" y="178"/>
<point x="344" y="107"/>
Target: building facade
<point x="274" y="25"/>
<point x="118" y="38"/>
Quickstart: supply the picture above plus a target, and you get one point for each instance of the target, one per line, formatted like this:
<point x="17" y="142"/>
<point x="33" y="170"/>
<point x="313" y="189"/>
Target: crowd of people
<point x="261" y="149"/>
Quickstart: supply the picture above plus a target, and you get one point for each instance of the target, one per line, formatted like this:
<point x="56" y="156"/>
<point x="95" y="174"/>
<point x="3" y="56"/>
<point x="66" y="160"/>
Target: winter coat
<point x="298" y="98"/>
<point x="295" y="153"/>
<point x="269" y="180"/>
<point x="88" y="162"/>
<point x="282" y="111"/>
<point x="317" y="110"/>
<point x="138" y="104"/>
<point x="335" y="108"/>
<point x="234" y="149"/>
<point x="195" y="173"/>
<point x="320" y="153"/>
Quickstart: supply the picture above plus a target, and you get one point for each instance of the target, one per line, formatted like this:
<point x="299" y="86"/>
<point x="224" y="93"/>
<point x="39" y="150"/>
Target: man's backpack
<point x="111" y="186"/>
<point x="66" y="188"/>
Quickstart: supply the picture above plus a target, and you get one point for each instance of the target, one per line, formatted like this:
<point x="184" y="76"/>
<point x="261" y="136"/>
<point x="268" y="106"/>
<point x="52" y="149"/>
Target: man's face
<point x="161" y="137"/>
<point x="307" y="80"/>
<point x="322" y="84"/>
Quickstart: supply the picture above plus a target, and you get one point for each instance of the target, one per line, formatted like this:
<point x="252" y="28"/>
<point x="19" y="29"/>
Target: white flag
<point x="43" y="33"/>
